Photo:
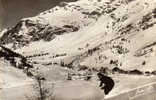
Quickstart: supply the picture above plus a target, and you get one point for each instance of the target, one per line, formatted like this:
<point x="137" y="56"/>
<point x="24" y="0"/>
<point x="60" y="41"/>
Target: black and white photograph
<point x="77" y="49"/>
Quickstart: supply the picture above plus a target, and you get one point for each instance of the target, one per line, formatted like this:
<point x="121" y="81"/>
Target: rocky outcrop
<point x="57" y="21"/>
<point x="27" y="31"/>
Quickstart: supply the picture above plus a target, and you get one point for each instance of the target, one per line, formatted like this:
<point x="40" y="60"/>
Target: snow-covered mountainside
<point x="119" y="31"/>
<point x="117" y="35"/>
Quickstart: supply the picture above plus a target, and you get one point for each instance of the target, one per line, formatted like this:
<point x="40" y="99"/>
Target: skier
<point x="106" y="83"/>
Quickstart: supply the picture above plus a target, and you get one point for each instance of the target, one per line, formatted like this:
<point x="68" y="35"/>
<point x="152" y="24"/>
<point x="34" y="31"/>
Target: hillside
<point x="74" y="37"/>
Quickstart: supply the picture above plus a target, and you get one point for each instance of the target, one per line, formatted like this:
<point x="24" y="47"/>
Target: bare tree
<point x="43" y="90"/>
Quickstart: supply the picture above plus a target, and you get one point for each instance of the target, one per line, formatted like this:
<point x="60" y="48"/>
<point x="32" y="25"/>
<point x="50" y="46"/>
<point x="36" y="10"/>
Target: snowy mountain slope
<point x="104" y="31"/>
<point x="89" y="34"/>
<point x="116" y="26"/>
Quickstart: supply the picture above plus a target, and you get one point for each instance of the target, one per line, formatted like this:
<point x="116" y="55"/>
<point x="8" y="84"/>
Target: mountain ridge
<point x="113" y="36"/>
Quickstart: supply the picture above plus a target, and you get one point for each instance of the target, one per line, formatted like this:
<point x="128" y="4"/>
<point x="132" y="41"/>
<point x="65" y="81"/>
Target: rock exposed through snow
<point x="87" y="36"/>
